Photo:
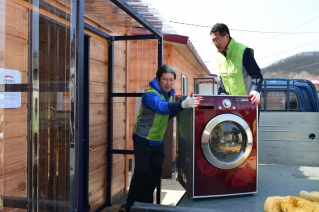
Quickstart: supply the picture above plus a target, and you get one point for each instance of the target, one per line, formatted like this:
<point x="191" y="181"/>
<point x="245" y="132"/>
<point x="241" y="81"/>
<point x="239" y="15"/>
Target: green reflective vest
<point x="149" y="124"/>
<point x="231" y="69"/>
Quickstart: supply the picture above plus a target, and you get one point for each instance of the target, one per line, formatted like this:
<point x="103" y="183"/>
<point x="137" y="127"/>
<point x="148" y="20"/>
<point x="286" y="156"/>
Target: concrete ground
<point x="171" y="192"/>
<point x="273" y="180"/>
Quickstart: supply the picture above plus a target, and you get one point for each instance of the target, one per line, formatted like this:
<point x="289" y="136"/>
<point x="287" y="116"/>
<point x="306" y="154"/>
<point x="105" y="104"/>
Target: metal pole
<point x="110" y="120"/>
<point x="160" y="62"/>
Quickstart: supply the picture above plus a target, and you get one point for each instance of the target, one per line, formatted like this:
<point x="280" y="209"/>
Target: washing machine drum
<point x="227" y="141"/>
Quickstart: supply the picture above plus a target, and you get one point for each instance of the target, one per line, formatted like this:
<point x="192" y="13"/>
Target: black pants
<point x="147" y="172"/>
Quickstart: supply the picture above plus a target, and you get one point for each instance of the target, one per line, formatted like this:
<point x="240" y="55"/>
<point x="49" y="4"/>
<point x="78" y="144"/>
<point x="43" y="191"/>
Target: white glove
<point x="190" y="102"/>
<point x="255" y="97"/>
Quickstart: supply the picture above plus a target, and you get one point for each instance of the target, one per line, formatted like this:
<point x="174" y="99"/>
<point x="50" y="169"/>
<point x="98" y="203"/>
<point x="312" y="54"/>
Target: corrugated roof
<point x="129" y="17"/>
<point x="136" y="17"/>
<point x="149" y="12"/>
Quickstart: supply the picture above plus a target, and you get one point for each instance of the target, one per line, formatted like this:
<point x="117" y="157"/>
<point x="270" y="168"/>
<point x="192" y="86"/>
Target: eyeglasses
<point x="216" y="40"/>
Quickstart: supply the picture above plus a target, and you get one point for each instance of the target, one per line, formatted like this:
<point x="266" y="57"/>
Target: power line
<point x="245" y="30"/>
<point x="288" y="30"/>
<point x="295" y="18"/>
<point x="289" y="69"/>
<point x="301" y="67"/>
<point x="288" y="50"/>
<point x="268" y="32"/>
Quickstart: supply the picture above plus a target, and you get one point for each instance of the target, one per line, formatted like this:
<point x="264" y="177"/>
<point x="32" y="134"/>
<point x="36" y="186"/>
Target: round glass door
<point x="227" y="141"/>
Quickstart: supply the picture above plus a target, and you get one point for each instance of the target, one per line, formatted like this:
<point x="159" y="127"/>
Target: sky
<point x="275" y="29"/>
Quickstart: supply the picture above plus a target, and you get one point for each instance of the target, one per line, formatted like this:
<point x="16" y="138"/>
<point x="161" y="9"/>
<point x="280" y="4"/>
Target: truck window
<point x="276" y="100"/>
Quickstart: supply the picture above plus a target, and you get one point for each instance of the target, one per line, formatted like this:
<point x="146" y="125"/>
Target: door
<point x="227" y="141"/>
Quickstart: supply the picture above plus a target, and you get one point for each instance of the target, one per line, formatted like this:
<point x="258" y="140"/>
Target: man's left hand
<point x="254" y="97"/>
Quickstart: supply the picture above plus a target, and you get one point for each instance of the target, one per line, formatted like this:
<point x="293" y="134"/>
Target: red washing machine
<point x="217" y="147"/>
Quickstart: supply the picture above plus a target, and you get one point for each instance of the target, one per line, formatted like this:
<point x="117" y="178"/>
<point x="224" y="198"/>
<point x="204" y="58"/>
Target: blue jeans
<point x="147" y="172"/>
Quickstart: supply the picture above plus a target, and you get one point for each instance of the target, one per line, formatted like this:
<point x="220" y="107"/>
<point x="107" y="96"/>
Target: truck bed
<point x="288" y="158"/>
<point x="289" y="138"/>
<point x="273" y="180"/>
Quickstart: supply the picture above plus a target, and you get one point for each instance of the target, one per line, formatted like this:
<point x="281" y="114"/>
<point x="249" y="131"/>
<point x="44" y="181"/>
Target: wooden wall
<point x="98" y="119"/>
<point x="13" y="122"/>
<point x="143" y="67"/>
<point x="182" y="67"/>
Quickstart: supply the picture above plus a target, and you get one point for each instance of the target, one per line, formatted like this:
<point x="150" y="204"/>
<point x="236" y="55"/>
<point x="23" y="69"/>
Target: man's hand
<point x="191" y="102"/>
<point x="254" y="97"/>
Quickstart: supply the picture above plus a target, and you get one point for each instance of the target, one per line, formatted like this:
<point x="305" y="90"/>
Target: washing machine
<point x="217" y="147"/>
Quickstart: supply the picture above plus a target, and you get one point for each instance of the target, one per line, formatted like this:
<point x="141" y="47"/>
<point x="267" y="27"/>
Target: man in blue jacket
<point x="156" y="110"/>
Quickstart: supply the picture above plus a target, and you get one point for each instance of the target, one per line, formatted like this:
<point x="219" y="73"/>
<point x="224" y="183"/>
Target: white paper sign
<point x="10" y="99"/>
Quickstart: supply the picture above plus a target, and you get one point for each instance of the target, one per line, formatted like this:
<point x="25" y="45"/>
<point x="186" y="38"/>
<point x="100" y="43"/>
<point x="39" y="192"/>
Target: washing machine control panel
<point x="226" y="103"/>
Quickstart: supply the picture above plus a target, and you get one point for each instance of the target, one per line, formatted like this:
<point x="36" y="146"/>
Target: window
<point x="205" y="86"/>
<point x="184" y="85"/>
<point x="277" y="100"/>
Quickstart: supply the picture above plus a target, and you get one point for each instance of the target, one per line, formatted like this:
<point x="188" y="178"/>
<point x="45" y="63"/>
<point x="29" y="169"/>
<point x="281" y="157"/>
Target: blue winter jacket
<point x="156" y="110"/>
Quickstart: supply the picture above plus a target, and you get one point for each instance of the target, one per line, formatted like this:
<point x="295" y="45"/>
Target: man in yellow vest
<point x="239" y="72"/>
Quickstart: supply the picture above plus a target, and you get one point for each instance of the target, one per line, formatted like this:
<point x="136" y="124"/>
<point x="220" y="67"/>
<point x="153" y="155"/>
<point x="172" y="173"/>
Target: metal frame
<point x="156" y="35"/>
<point x="111" y="39"/>
<point x="83" y="162"/>
<point x="83" y="88"/>
<point x="80" y="108"/>
<point x="80" y="198"/>
<point x="131" y="12"/>
<point x="111" y="95"/>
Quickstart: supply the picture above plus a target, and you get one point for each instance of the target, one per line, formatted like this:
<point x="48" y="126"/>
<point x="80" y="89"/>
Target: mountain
<point x="304" y="65"/>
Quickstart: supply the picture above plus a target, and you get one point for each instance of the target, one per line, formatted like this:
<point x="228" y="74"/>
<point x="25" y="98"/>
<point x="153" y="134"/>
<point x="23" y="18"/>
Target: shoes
<point x="123" y="209"/>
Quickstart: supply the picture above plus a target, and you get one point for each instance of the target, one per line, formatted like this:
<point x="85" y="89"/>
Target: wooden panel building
<point x="55" y="60"/>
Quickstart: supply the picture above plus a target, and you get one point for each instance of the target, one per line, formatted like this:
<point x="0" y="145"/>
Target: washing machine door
<point x="227" y="141"/>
